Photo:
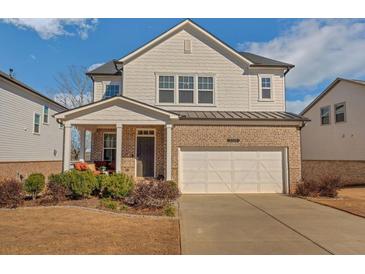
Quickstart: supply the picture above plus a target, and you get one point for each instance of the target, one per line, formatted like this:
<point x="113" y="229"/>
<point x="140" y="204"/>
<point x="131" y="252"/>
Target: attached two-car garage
<point x="222" y="170"/>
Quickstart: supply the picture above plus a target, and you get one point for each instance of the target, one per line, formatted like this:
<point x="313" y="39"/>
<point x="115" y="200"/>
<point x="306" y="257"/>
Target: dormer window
<point x="111" y="90"/>
<point x="265" y="88"/>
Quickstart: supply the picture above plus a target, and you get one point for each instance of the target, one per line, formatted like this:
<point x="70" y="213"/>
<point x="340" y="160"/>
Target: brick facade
<point x="24" y="169"/>
<point x="129" y="147"/>
<point x="351" y="172"/>
<point x="250" y="136"/>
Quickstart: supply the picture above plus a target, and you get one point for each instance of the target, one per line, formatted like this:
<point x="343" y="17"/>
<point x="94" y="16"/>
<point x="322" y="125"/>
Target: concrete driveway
<point x="266" y="224"/>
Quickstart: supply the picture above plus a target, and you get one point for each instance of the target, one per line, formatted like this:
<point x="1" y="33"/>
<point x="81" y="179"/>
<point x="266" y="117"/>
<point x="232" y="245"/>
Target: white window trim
<point x="176" y="88"/>
<point x="135" y="149"/>
<point x="344" y="112"/>
<point x="45" y="123"/>
<point x="260" y="76"/>
<point x="111" y="132"/>
<point x="112" y="82"/>
<point x="40" y="117"/>
<point x="329" y="115"/>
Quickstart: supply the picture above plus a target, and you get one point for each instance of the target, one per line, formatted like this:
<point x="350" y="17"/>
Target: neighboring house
<point x="334" y="141"/>
<point x="30" y="138"/>
<point x="192" y="109"/>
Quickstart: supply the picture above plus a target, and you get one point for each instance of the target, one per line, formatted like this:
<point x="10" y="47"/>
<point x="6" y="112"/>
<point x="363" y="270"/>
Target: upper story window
<point x="340" y="112"/>
<point x="205" y="90"/>
<point x="265" y="88"/>
<point x="45" y="115"/>
<point x="186" y="89"/>
<point x="36" y="123"/>
<point x="166" y="89"/>
<point x="325" y="115"/>
<point x="111" y="90"/>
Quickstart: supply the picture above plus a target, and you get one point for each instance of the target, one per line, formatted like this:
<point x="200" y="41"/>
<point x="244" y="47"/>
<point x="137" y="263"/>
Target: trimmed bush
<point x="153" y="194"/>
<point x="101" y="181"/>
<point x="10" y="193"/>
<point x="34" y="184"/>
<point x="329" y="185"/>
<point x="56" y="189"/>
<point x="117" y="186"/>
<point x="80" y="183"/>
<point x="109" y="203"/>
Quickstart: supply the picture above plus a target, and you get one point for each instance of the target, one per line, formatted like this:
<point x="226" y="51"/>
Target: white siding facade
<point x="17" y="140"/>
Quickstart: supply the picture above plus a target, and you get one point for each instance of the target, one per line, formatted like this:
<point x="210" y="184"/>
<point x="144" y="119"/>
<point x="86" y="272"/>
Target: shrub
<point x="34" y="184"/>
<point x="80" y="183"/>
<point x="109" y="203"/>
<point x="307" y="188"/>
<point x="10" y="193"/>
<point x="169" y="210"/>
<point x="153" y="194"/>
<point x="329" y="185"/>
<point x="117" y="185"/>
<point x="56" y="190"/>
<point x="101" y="181"/>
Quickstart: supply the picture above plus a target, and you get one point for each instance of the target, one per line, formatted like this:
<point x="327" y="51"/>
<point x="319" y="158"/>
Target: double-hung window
<point x="266" y="88"/>
<point x="186" y="89"/>
<point x="111" y="90"/>
<point x="36" y="123"/>
<point x="340" y="112"/>
<point x="45" y="115"/>
<point x="205" y="90"/>
<point x="166" y="89"/>
<point x="110" y="145"/>
<point x="325" y="115"/>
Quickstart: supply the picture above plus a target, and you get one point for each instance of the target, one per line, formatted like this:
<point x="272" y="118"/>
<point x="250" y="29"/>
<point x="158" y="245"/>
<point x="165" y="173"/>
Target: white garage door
<point x="222" y="171"/>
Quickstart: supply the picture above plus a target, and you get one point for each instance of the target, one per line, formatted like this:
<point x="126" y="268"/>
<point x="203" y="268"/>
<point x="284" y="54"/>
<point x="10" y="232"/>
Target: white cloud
<point x="320" y="49"/>
<point x="297" y="106"/>
<point x="49" y="28"/>
<point x="33" y="57"/>
<point x="94" y="66"/>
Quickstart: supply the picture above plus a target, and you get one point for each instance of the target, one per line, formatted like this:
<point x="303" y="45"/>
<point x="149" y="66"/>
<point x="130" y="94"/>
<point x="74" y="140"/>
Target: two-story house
<point x="31" y="140"/>
<point x="334" y="141"/>
<point x="189" y="107"/>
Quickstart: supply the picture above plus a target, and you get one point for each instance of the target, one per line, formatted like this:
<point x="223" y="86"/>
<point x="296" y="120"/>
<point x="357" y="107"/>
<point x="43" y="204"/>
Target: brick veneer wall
<point x="250" y="136"/>
<point x="129" y="147"/>
<point x="351" y="172"/>
<point x="15" y="169"/>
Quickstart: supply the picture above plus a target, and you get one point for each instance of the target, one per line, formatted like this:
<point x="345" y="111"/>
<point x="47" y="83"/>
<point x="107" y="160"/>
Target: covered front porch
<point x="126" y="136"/>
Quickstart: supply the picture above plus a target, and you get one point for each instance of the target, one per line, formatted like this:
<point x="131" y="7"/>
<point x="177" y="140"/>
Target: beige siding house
<point x="187" y="107"/>
<point x="31" y="140"/>
<point x="334" y="141"/>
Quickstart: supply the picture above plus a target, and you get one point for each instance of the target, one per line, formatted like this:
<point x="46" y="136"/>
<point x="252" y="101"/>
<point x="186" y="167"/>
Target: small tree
<point x="34" y="184"/>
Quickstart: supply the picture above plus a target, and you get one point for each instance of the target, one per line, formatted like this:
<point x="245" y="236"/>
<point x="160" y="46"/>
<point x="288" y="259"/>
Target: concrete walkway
<point x="266" y="224"/>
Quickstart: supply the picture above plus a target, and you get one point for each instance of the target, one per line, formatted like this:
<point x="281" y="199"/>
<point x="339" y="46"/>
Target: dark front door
<point x="145" y="156"/>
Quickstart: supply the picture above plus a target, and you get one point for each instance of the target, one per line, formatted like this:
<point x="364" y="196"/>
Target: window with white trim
<point x="340" y="112"/>
<point x="45" y="115"/>
<point x="111" y="90"/>
<point x="110" y="146"/>
<point x="325" y="115"/>
<point x="36" y="123"/>
<point x="205" y="90"/>
<point x="186" y="89"/>
<point x="266" y="88"/>
<point x="166" y="89"/>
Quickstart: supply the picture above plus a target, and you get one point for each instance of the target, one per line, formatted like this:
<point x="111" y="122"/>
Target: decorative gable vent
<point x="187" y="46"/>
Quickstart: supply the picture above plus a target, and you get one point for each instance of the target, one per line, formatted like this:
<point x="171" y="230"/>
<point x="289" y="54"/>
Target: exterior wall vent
<point x="187" y="46"/>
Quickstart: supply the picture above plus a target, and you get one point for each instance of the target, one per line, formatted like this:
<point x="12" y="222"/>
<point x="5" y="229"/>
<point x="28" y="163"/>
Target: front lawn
<point x="80" y="231"/>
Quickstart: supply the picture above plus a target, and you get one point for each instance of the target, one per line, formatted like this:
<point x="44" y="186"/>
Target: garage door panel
<point x="231" y="171"/>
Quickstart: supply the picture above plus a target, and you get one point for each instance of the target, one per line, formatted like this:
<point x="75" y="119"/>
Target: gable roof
<point x="5" y="76"/>
<point x="250" y="58"/>
<point x="328" y="89"/>
<point x="62" y="114"/>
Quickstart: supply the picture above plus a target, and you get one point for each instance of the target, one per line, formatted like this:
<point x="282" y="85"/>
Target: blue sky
<point x="320" y="49"/>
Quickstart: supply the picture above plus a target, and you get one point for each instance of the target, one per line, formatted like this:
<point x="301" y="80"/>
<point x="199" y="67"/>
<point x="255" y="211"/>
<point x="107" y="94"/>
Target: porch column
<point x="82" y="144"/>
<point x="67" y="147"/>
<point x="118" y="157"/>
<point x="168" y="152"/>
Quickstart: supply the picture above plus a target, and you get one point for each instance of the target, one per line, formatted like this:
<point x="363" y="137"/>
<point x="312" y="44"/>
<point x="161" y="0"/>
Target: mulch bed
<point x="94" y="203"/>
